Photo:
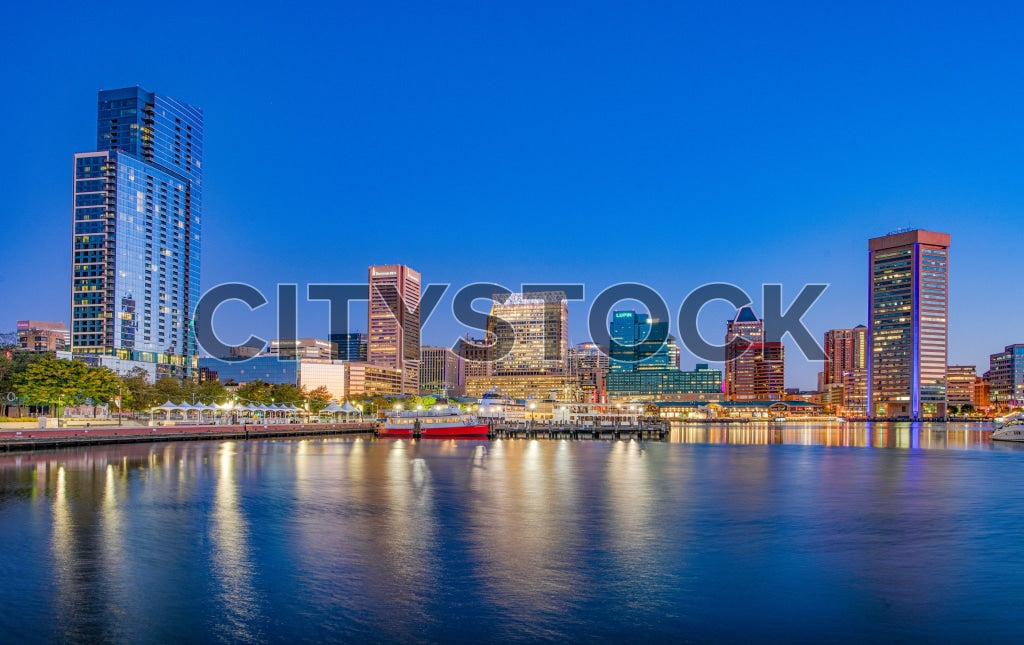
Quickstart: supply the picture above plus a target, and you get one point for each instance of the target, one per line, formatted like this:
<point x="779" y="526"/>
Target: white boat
<point x="1009" y="428"/>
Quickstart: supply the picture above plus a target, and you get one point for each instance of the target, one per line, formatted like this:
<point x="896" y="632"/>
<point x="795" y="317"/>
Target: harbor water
<point x="763" y="533"/>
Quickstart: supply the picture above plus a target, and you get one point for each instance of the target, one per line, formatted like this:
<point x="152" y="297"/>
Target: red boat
<point x="441" y="422"/>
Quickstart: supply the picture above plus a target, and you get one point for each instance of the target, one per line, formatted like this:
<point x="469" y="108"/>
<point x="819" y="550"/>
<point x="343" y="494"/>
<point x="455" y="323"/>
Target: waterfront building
<point x="531" y="333"/>
<point x="736" y="409"/>
<point x="477" y="357"/>
<point x="744" y="330"/>
<point x="43" y="336"/>
<point x="643" y="366"/>
<point x="638" y="342"/>
<point x="367" y="380"/>
<point x="557" y="387"/>
<point x="855" y="393"/>
<point x="136" y="234"/>
<point x="305" y="373"/>
<point x="908" y="299"/>
<point x="441" y="372"/>
<point x="529" y="349"/>
<point x="588" y="366"/>
<point x="845" y="350"/>
<point x="670" y="384"/>
<point x="982" y="394"/>
<point x="754" y="369"/>
<point x="302" y="348"/>
<point x="844" y="367"/>
<point x="349" y="347"/>
<point x="960" y="385"/>
<point x="393" y="314"/>
<point x="769" y="371"/>
<point x="1005" y="377"/>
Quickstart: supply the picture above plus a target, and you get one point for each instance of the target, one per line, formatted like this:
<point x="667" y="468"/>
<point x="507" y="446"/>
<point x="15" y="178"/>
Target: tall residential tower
<point x="136" y="234"/>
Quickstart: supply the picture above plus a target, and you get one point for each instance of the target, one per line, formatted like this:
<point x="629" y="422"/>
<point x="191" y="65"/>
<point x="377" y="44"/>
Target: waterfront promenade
<point x="41" y="438"/>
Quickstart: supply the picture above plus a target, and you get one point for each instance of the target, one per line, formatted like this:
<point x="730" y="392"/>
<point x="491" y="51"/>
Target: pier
<point x="652" y="431"/>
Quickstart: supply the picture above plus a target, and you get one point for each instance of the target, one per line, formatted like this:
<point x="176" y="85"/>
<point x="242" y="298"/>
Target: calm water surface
<point x="792" y="533"/>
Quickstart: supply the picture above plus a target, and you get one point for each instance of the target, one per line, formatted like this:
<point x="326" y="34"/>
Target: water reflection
<point x="361" y="540"/>
<point x="912" y="436"/>
<point x="232" y="566"/>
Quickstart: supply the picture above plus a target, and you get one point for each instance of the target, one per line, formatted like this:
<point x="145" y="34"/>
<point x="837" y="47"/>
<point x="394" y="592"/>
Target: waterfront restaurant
<point x="736" y="409"/>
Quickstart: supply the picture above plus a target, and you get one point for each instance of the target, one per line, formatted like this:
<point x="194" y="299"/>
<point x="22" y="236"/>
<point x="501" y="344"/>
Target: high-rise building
<point x="441" y="372"/>
<point x="42" y="336"/>
<point x="349" y="347"/>
<point x="742" y="332"/>
<point x="842" y="381"/>
<point x="529" y="350"/>
<point x="1005" y="377"/>
<point x="588" y="367"/>
<point x="908" y="303"/>
<point x="394" y="322"/>
<point x="638" y="343"/>
<point x="769" y="371"/>
<point x="136" y="233"/>
<point x="643" y="365"/>
<point x="845" y="350"/>
<point x="531" y="333"/>
<point x="960" y="385"/>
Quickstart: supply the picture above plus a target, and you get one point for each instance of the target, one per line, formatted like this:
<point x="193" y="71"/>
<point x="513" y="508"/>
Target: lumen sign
<point x="779" y="320"/>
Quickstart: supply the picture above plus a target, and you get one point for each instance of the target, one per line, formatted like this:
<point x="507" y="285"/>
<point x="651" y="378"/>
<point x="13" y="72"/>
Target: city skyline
<point x="805" y="181"/>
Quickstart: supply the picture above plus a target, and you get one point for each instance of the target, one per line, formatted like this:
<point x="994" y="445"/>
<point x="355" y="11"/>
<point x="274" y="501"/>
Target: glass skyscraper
<point x="136" y="235"/>
<point x="643" y="365"/>
<point x="638" y="343"/>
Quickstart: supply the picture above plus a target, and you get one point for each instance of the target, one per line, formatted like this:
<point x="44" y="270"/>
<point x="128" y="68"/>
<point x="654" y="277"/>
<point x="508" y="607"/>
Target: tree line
<point x="40" y="379"/>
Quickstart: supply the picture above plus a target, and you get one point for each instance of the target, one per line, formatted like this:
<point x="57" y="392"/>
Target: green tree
<point x="953" y="410"/>
<point x="966" y="408"/>
<point x="100" y="385"/>
<point x="168" y="389"/>
<point x="285" y="393"/>
<point x="319" y="399"/>
<point x="52" y="382"/>
<point x="137" y="393"/>
<point x="211" y="392"/>
<point x="254" y="392"/>
<point x="14" y="361"/>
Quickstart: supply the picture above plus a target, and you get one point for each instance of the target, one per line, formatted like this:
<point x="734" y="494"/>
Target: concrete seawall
<point x="39" y="439"/>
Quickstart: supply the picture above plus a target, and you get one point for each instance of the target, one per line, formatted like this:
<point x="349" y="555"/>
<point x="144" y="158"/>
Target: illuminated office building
<point x="1005" y="377"/>
<point x="441" y="372"/>
<point x="908" y="298"/>
<point x="960" y="385"/>
<point x="393" y="339"/>
<point x="754" y="369"/>
<point x="532" y="334"/>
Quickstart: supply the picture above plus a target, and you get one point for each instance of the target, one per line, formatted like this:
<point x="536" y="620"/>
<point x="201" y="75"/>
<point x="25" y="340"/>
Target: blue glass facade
<point x="664" y="383"/>
<point x="349" y="347"/>
<point x="137" y="233"/>
<point x="638" y="343"/>
<point x="269" y="369"/>
<point x="642" y="365"/>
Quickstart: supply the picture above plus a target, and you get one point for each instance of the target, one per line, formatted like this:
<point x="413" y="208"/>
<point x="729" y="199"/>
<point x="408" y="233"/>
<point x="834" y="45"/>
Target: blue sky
<point x="666" y="143"/>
